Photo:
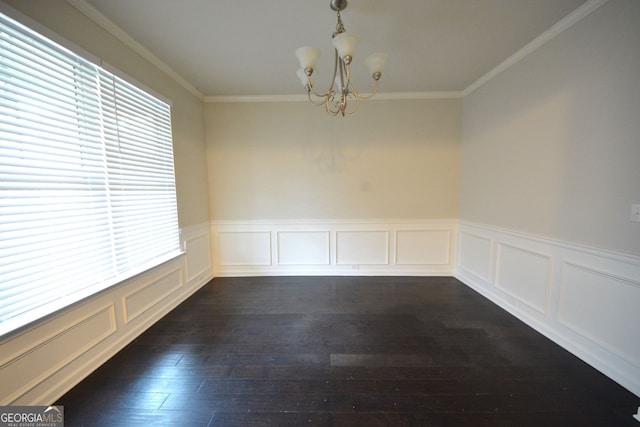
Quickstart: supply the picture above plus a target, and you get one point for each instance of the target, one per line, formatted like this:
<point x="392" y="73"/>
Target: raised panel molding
<point x="147" y="296"/>
<point x="423" y="247"/>
<point x="345" y="247"/>
<point x="599" y="305"/>
<point x="362" y="247"/>
<point x="198" y="259"/>
<point x="50" y="353"/>
<point x="583" y="298"/>
<point x="243" y="248"/>
<point x="524" y="274"/>
<point x="474" y="255"/>
<point x="303" y="247"/>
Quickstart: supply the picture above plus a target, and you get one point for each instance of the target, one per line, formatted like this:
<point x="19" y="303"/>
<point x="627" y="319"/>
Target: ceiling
<point x="246" y="48"/>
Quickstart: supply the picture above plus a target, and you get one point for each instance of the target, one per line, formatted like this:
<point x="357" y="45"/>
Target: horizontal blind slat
<point x="87" y="187"/>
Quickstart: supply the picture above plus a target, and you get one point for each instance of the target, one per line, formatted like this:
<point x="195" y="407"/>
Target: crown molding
<point x="105" y="23"/>
<point x="394" y="96"/>
<point x="254" y="98"/>
<point x="96" y="16"/>
<point x="389" y="96"/>
<point x="567" y="22"/>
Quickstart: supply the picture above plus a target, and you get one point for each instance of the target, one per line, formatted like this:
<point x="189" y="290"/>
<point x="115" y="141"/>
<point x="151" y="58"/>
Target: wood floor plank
<point x="344" y="351"/>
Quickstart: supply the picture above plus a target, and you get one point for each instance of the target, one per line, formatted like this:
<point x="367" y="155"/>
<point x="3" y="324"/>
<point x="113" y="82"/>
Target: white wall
<point x="549" y="170"/>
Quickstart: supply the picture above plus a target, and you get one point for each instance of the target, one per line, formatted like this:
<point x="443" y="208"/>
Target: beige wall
<point x="552" y="145"/>
<point x="187" y="109"/>
<point x="290" y="160"/>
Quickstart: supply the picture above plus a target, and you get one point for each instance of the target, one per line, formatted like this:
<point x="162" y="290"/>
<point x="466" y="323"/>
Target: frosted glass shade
<point x="345" y="44"/>
<point x="308" y="56"/>
<point x="376" y="62"/>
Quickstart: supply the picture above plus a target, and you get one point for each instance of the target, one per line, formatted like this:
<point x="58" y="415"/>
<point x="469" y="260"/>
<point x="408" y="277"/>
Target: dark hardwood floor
<point x="344" y="351"/>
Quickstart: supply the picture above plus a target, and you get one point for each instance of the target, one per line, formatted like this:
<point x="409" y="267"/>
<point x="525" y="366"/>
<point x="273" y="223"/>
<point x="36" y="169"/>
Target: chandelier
<point x="337" y="98"/>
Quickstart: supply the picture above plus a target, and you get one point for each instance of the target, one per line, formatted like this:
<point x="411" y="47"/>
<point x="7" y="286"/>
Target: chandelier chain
<point x="339" y="26"/>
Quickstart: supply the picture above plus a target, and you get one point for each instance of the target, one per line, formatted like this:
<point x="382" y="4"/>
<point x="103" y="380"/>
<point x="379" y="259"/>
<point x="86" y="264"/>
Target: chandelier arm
<point x="344" y="74"/>
<point x="355" y="109"/>
<point x="318" y="102"/>
<point x="329" y="91"/>
<point x="356" y="106"/>
<point x="334" y="106"/>
<point x="344" y="85"/>
<point x="368" y="96"/>
<point x="336" y="61"/>
<point x="319" y="95"/>
<point x="329" y="110"/>
<point x="344" y="102"/>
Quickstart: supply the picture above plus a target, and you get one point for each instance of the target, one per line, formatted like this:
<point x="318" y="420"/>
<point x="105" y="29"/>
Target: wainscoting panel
<point x="148" y="295"/>
<point x="79" y="336"/>
<point x="198" y="250"/>
<point x="423" y="247"/>
<point x="39" y="363"/>
<point x="585" y="299"/>
<point x="358" y="247"/>
<point x="244" y="248"/>
<point x="303" y="248"/>
<point x="599" y="306"/>
<point x="362" y="247"/>
<point x="524" y="274"/>
<point x="474" y="255"/>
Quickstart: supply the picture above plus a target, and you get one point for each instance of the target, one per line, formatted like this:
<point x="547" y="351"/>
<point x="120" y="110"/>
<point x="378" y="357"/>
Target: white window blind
<point x="87" y="189"/>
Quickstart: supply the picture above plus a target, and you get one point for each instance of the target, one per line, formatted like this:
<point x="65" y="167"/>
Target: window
<point x="87" y="188"/>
